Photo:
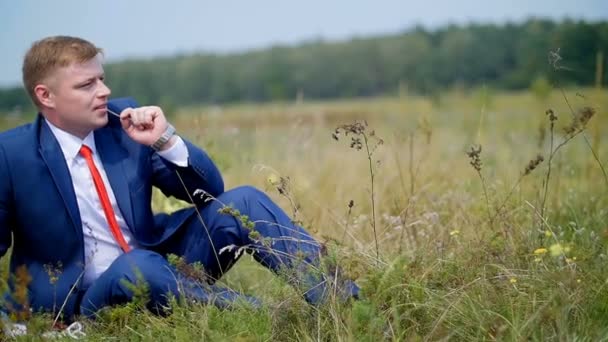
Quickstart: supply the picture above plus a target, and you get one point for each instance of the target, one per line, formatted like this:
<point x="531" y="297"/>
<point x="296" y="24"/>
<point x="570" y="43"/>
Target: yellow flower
<point x="540" y="251"/>
<point x="537" y="259"/>
<point x="556" y="250"/>
<point x="578" y="281"/>
<point x="273" y="179"/>
<point x="548" y="233"/>
<point x="454" y="232"/>
<point x="513" y="280"/>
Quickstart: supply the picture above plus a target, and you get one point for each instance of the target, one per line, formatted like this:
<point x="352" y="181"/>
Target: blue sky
<point x="138" y="28"/>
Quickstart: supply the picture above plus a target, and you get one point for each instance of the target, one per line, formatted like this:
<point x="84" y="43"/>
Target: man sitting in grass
<point x="75" y="201"/>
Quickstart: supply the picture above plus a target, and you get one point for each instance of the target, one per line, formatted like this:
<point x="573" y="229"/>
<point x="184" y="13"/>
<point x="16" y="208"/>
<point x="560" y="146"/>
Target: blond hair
<point x="48" y="54"/>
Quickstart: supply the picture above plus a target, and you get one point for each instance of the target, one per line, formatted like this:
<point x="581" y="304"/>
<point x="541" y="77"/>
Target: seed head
<point x="551" y="114"/>
<point x="533" y="163"/>
<point x="360" y="135"/>
<point x="579" y="121"/>
<point x="474" y="154"/>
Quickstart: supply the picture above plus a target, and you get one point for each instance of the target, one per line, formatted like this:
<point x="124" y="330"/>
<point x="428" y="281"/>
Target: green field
<point x="464" y="254"/>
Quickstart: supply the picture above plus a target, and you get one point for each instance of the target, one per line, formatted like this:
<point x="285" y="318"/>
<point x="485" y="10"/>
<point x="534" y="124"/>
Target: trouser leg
<point x="136" y="268"/>
<point x="215" y="236"/>
<point x="143" y="268"/>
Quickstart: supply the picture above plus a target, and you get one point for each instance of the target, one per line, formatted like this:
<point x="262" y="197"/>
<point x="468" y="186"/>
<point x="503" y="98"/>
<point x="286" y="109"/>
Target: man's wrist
<point x="166" y="140"/>
<point x="169" y="143"/>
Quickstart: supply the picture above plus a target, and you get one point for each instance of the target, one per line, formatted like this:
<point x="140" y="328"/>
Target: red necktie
<point x="86" y="152"/>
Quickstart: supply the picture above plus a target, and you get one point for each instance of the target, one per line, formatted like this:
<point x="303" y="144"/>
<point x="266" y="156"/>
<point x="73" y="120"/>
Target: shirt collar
<point x="69" y="143"/>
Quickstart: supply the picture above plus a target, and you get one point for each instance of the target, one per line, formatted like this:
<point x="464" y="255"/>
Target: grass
<point x="458" y="259"/>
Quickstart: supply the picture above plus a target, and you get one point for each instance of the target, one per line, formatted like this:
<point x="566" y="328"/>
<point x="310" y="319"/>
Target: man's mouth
<point x="103" y="106"/>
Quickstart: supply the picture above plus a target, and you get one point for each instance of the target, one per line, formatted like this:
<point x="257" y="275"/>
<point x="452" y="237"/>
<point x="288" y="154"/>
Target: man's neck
<point x="65" y="128"/>
<point x="70" y="143"/>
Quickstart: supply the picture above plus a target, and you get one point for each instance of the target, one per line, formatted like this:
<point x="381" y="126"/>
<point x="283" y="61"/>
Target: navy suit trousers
<point x="213" y="235"/>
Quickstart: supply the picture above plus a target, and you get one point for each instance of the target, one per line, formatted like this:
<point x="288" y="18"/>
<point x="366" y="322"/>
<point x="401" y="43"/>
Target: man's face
<point x="78" y="97"/>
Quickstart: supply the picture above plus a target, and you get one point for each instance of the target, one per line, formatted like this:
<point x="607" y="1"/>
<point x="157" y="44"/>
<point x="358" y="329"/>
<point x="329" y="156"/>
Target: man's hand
<point x="145" y="125"/>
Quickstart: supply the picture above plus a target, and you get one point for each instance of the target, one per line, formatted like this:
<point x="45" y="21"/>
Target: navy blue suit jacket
<point x="39" y="212"/>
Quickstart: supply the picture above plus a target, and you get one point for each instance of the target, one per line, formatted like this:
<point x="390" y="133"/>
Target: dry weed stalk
<point x="371" y="141"/>
<point x="576" y="127"/>
<point x="531" y="166"/>
<point x="351" y="204"/>
<point x="554" y="59"/>
<point x="474" y="154"/>
<point x="425" y="129"/>
<point x="285" y="189"/>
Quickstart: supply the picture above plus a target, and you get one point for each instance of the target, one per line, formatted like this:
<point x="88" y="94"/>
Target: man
<point x="75" y="194"/>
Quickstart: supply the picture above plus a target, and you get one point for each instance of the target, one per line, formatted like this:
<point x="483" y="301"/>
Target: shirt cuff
<point x="176" y="154"/>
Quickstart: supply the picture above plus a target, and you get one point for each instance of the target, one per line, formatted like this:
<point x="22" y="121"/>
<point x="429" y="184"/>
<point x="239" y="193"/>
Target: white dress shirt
<point x="100" y="247"/>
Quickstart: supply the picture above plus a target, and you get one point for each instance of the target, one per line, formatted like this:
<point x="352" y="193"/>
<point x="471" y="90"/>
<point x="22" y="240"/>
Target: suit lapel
<point x="114" y="157"/>
<point x="53" y="157"/>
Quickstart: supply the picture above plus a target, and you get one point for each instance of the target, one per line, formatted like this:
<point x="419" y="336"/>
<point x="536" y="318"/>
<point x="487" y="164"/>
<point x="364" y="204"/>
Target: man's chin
<point x="101" y="121"/>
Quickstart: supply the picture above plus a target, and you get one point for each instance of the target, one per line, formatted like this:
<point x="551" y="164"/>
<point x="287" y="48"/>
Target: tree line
<point x="419" y="60"/>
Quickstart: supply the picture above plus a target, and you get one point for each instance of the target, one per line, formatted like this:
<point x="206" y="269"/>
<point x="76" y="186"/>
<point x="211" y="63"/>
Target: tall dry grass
<point x="521" y="255"/>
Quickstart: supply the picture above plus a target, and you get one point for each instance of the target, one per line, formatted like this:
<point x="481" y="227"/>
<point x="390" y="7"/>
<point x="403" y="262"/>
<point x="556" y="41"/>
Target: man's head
<point x="64" y="77"/>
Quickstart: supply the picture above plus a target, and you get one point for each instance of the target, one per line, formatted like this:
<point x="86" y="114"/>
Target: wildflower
<point x="513" y="280"/>
<point x="540" y="251"/>
<point x="578" y="281"/>
<point x="273" y="179"/>
<point x="537" y="259"/>
<point x="556" y="250"/>
<point x="455" y="232"/>
<point x="548" y="233"/>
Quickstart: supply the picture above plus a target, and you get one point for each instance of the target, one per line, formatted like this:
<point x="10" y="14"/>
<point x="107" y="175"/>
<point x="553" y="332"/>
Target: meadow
<point x="440" y="208"/>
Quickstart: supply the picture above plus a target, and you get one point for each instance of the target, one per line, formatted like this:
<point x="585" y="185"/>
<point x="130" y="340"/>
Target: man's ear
<point x="44" y="95"/>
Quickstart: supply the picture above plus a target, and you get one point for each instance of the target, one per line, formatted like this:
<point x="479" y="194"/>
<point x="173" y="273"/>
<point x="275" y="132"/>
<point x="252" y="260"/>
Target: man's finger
<point x="136" y="116"/>
<point x="151" y="113"/>
<point x="126" y="117"/>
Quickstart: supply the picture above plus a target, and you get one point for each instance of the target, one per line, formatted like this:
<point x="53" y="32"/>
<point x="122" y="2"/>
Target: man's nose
<point x="104" y="91"/>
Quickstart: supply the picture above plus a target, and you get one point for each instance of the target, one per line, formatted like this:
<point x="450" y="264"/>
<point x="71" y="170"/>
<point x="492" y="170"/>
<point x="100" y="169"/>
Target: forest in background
<point x="420" y="61"/>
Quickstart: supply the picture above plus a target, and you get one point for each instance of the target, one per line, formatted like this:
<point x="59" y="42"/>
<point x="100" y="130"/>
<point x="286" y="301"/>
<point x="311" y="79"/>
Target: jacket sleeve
<point x="5" y="204"/>
<point x="193" y="183"/>
<point x="200" y="176"/>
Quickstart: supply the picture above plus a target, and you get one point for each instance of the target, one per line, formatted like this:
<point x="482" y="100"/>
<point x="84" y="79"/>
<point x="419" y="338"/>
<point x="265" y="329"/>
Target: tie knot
<point x="85" y="151"/>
